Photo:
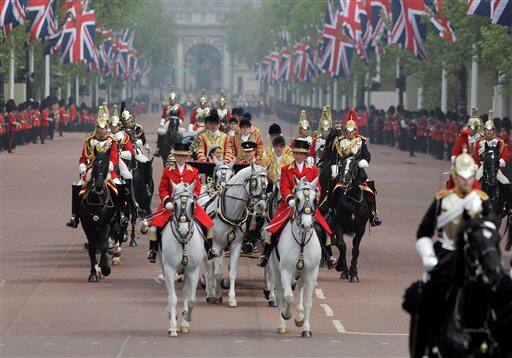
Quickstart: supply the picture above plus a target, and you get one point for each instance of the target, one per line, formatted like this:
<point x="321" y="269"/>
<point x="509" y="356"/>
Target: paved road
<point x="49" y="309"/>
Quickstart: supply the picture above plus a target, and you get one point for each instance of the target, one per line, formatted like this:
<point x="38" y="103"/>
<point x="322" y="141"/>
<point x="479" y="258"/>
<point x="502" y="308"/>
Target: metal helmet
<point x="303" y="121"/>
<point x="464" y="166"/>
<point x="103" y="117"/>
<point x="127" y="118"/>
<point x="350" y="120"/>
<point x="325" y="123"/>
<point x="222" y="98"/>
<point x="114" y="118"/>
<point x="490" y="122"/>
<point x="203" y="99"/>
<point x="172" y="94"/>
<point x="474" y="122"/>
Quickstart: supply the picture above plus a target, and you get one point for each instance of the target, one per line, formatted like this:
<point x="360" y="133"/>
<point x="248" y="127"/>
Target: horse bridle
<point x="180" y="217"/>
<point x="472" y="258"/>
<point x="307" y="209"/>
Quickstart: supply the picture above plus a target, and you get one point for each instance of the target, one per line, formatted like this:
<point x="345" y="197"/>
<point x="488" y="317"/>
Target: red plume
<point x="351" y="114"/>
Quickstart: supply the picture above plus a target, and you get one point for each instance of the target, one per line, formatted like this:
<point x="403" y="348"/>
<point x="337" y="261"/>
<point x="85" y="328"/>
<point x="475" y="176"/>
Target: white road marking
<point x="286" y="340"/>
<point x="377" y="334"/>
<point x="2" y="283"/>
<point x="339" y="327"/>
<point x="239" y="341"/>
<point x="95" y="343"/>
<point x="328" y="310"/>
<point x="121" y="350"/>
<point x="143" y="342"/>
<point x="335" y="341"/>
<point x="319" y="293"/>
<point x="48" y="344"/>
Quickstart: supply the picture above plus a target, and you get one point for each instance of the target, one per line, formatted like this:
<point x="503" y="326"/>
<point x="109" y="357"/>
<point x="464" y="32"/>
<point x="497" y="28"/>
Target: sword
<point x="455" y="211"/>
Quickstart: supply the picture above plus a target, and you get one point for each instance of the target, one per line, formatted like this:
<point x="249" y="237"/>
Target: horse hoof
<point x="133" y="243"/>
<point x="354" y="278"/>
<point x="223" y="283"/>
<point x="185" y="328"/>
<point x="173" y="333"/>
<point x="93" y="278"/>
<point x="266" y="293"/>
<point x="299" y="323"/>
<point x="232" y="303"/>
<point x="307" y="334"/>
<point x="217" y="300"/>
<point x="116" y="261"/>
<point x="286" y="317"/>
<point x="210" y="300"/>
<point x="272" y="303"/>
<point x="344" y="275"/>
<point x="281" y="329"/>
<point x="105" y="270"/>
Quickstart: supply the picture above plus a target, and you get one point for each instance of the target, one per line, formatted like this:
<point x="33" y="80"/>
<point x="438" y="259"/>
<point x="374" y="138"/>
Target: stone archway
<point x="203" y="64"/>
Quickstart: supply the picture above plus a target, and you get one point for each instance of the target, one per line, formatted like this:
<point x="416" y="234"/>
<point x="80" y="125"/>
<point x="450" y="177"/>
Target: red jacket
<point x="170" y="175"/>
<point x="13" y="122"/>
<point x="45" y="118"/>
<point x="461" y="142"/>
<point x="284" y="212"/>
<point x="178" y="113"/>
<point x="87" y="154"/>
<point x="502" y="148"/>
<point x="72" y="112"/>
<point x="63" y="116"/>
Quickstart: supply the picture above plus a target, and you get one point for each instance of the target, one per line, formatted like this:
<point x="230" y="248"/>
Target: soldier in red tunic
<point x="177" y="172"/>
<point x="12" y="124"/>
<point x="298" y="169"/>
<point x="198" y="115"/>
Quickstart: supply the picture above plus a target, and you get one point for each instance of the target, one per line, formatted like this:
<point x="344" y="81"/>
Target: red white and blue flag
<point x="440" y="19"/>
<point x="305" y="67"/>
<point x="377" y="11"/>
<point x="41" y="15"/>
<point x="499" y="11"/>
<point x="77" y="39"/>
<point x="409" y="29"/>
<point x="286" y="66"/>
<point x="354" y="20"/>
<point x="12" y="13"/>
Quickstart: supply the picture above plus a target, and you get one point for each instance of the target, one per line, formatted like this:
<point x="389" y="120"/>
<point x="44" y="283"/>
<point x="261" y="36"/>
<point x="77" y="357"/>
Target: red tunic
<point x="45" y="118"/>
<point x="88" y="155"/>
<point x="72" y="112"/>
<point x="504" y="154"/>
<point x="179" y="113"/>
<point x="287" y="184"/>
<point x="170" y="175"/>
<point x="461" y="142"/>
<point x="63" y="116"/>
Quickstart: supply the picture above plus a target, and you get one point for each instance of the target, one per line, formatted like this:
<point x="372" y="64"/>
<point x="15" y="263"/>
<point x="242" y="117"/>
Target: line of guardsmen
<point x="34" y="121"/>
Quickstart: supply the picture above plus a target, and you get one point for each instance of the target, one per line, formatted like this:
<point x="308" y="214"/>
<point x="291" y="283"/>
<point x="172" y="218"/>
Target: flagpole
<point x="30" y="75"/>
<point x="77" y="90"/>
<point x="46" y="74"/>
<point x="444" y="90"/>
<point x="68" y="89"/>
<point x="335" y="95"/>
<point x="354" y="92"/>
<point x="11" y="71"/>
<point x="474" y="79"/>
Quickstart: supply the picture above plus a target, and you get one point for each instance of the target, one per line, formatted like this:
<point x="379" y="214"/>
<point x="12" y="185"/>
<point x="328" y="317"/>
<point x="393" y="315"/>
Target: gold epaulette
<point x="189" y="167"/>
<point x="445" y="192"/>
<point x="481" y="194"/>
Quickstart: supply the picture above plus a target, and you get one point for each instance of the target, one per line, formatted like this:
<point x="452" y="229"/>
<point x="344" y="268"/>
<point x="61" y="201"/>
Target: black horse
<point x="346" y="210"/>
<point x="455" y="313"/>
<point x="168" y="135"/>
<point x="96" y="212"/>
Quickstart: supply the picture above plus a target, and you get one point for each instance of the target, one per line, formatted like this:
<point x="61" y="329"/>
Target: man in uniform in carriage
<point x="172" y="109"/>
<point x="247" y="133"/>
<point x="249" y="156"/>
<point x="178" y="171"/>
<point x="199" y="114"/>
<point x="276" y="159"/>
<point x="100" y="140"/>
<point x="350" y="143"/>
<point x="213" y="136"/>
<point x="298" y="169"/>
<point x="274" y="130"/>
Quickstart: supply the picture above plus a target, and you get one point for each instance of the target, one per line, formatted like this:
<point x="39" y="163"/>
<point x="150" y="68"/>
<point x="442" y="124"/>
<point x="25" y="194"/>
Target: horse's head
<point x="480" y="240"/>
<point x="347" y="172"/>
<point x="183" y="197"/>
<point x="491" y="165"/>
<point x="305" y="202"/>
<point x="223" y="172"/>
<point x="256" y="182"/>
<point x="100" y="169"/>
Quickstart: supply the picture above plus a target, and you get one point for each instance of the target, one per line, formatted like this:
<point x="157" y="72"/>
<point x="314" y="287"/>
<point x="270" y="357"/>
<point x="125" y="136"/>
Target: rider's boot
<point x="208" y="245"/>
<point x="133" y="201"/>
<point x="267" y="250"/>
<point x="153" y="245"/>
<point x="372" y="204"/>
<point x="120" y="202"/>
<point x="75" y="204"/>
<point x="326" y="246"/>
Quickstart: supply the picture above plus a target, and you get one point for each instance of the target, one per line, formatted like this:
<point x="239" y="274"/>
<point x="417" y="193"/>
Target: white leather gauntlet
<point x="425" y="248"/>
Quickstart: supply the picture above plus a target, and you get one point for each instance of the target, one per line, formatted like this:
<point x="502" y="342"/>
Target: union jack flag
<point x="305" y="67"/>
<point x="336" y="53"/>
<point x="77" y="39"/>
<point x="408" y="28"/>
<point x="41" y="14"/>
<point x="355" y="22"/>
<point x="374" y="9"/>
<point x="440" y="20"/>
<point x="12" y="13"/>
<point x="479" y="7"/>
<point x="275" y="63"/>
<point x="501" y="12"/>
<point x="286" y="68"/>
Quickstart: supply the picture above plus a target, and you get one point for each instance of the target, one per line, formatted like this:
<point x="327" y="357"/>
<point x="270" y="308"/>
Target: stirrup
<point x="212" y="254"/>
<point x="73" y="222"/>
<point x="262" y="261"/>
<point x="152" y="256"/>
<point x="123" y="220"/>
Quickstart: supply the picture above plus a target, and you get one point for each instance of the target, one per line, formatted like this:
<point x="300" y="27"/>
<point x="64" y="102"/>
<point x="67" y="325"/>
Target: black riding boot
<point x="372" y="205"/>
<point x="267" y="250"/>
<point x="153" y="251"/>
<point x="75" y="204"/>
<point x="159" y="140"/>
<point x="120" y="202"/>
<point x="133" y="201"/>
<point x="208" y="244"/>
<point x="326" y="250"/>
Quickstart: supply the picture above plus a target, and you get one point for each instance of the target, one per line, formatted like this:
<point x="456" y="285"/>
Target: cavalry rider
<point x="177" y="172"/>
<point x="224" y="114"/>
<point x="277" y="159"/>
<point x="274" y="130"/>
<point x="126" y="153"/>
<point x="298" y="169"/>
<point x="247" y="133"/>
<point x="249" y="157"/>
<point x="304" y="133"/>
<point x="213" y="136"/>
<point x="350" y="144"/>
<point x="172" y="109"/>
<point x="197" y="118"/>
<point x="136" y="134"/>
<point x="100" y="140"/>
<point x="323" y="131"/>
<point x="444" y="217"/>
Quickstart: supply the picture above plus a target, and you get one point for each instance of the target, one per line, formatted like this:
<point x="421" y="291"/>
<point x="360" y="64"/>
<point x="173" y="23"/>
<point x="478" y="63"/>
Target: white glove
<point x="425" y="248"/>
<point x="138" y="142"/>
<point x="93" y="142"/>
<point x="310" y="160"/>
<point x="82" y="168"/>
<point x="334" y="171"/>
<point x="181" y="130"/>
<point x="291" y="203"/>
<point x="362" y="163"/>
<point x="190" y="127"/>
<point x="169" y="205"/>
<point x="502" y="163"/>
<point x="453" y="159"/>
<point x="162" y="121"/>
<point x="110" y="166"/>
<point x="126" y="155"/>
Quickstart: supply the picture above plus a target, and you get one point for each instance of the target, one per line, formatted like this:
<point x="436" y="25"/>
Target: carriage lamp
<point x="300" y="262"/>
<point x="184" y="258"/>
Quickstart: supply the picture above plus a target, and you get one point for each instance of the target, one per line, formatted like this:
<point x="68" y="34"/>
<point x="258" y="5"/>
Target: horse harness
<point x="182" y="217"/>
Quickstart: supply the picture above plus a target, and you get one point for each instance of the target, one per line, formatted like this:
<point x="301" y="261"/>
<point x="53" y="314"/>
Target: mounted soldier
<point x="303" y="132"/>
<point x="199" y="114"/>
<point x="291" y="173"/>
<point x="171" y="110"/>
<point x="349" y="144"/>
<point x="322" y="133"/>
<point x="213" y="137"/>
<point x="135" y="132"/>
<point x="99" y="141"/>
<point x="224" y="114"/>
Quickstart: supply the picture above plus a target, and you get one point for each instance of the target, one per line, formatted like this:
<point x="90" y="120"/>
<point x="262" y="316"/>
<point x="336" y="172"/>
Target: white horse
<point x="299" y="250"/>
<point x="221" y="175"/>
<point x="182" y="248"/>
<point x="233" y="207"/>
